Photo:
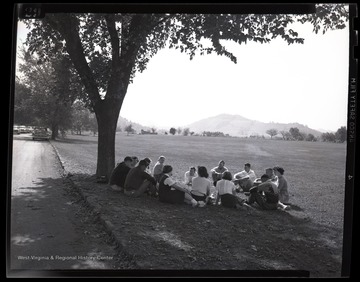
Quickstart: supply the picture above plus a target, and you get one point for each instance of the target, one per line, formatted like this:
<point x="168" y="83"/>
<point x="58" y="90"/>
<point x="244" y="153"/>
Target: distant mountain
<point x="123" y="122"/>
<point x="236" y="125"/>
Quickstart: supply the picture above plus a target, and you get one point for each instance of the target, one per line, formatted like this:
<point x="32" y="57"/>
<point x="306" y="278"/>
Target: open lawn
<point x="315" y="172"/>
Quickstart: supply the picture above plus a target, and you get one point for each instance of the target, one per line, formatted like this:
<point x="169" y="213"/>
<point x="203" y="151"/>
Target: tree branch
<point x="166" y="17"/>
<point x="114" y="38"/>
<point x="66" y="26"/>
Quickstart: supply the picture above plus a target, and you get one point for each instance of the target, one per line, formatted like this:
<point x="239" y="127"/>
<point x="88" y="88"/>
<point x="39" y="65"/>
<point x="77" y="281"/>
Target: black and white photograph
<point x="201" y="140"/>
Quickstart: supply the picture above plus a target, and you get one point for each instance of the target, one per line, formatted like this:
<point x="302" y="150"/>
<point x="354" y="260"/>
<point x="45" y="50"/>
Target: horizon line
<point x="163" y="127"/>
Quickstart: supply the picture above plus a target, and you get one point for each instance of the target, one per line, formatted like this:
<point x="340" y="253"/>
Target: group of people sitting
<point x="135" y="178"/>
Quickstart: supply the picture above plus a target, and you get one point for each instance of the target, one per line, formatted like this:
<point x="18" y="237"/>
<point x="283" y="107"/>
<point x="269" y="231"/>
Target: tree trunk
<point x="54" y="131"/>
<point x="107" y="114"/>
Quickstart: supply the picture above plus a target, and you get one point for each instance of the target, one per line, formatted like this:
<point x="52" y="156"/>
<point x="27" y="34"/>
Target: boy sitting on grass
<point x="266" y="195"/>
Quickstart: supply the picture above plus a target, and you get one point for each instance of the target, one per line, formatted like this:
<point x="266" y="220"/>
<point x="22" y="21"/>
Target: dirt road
<point x="49" y="229"/>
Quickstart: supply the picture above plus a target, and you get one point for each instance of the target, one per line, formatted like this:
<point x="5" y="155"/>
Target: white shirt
<point x="201" y="184"/>
<point x="251" y="174"/>
<point x="188" y="177"/>
<point x="275" y="180"/>
<point x="157" y="169"/>
<point x="169" y="181"/>
<point x="225" y="186"/>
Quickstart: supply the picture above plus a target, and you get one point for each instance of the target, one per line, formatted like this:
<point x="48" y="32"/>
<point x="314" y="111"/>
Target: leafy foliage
<point x="81" y="118"/>
<point x="272" y="132"/>
<point x="327" y="17"/>
<point x="45" y="93"/>
<point x="285" y="134"/>
<point x="186" y="131"/>
<point x="172" y="131"/>
<point x="311" y="137"/>
<point x="295" y="133"/>
<point x="214" y="134"/>
<point x="21" y="104"/>
<point x="328" y="137"/>
<point x="129" y="129"/>
<point x="341" y="134"/>
<point x="128" y="41"/>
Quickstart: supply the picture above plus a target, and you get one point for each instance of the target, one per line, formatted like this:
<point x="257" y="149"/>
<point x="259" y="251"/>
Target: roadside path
<point x="50" y="228"/>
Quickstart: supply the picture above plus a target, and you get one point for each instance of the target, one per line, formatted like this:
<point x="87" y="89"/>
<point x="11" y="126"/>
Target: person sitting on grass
<point x="226" y="192"/>
<point x="138" y="181"/>
<point x="118" y="175"/>
<point x="265" y="194"/>
<point x="158" y="168"/>
<point x="270" y="172"/>
<point x="201" y="185"/>
<point x="283" y="186"/>
<point x="135" y="161"/>
<point x="248" y="171"/>
<point x="217" y="172"/>
<point x="189" y="175"/>
<point x="243" y="180"/>
<point x="173" y="192"/>
<point x="148" y="162"/>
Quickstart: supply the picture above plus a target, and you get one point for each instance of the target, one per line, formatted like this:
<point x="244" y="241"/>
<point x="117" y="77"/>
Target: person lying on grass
<point x="173" y="192"/>
<point x="226" y="193"/>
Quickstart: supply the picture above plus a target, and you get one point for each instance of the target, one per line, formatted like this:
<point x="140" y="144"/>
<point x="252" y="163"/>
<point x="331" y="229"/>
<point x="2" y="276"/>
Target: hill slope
<point x="236" y="125"/>
<point x="123" y="122"/>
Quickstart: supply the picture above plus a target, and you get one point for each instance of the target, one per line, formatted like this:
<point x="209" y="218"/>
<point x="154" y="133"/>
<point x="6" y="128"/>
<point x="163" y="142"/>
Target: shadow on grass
<point x="70" y="140"/>
<point x="296" y="208"/>
<point x="165" y="236"/>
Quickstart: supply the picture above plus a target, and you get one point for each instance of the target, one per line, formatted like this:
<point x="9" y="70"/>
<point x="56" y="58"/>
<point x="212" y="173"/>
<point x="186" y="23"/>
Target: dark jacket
<point x="119" y="174"/>
<point x="136" y="177"/>
<point x="167" y="195"/>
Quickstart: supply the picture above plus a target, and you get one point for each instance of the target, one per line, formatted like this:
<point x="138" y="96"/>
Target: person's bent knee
<point x="130" y="193"/>
<point x="116" y="188"/>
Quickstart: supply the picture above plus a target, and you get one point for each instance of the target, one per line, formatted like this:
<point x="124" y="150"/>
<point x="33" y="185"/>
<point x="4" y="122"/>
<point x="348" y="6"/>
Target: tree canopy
<point x="45" y="92"/>
<point x="105" y="41"/>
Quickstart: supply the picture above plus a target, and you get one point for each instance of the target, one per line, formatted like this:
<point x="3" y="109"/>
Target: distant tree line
<point x="34" y="108"/>
<point x="152" y="132"/>
<point x="295" y="134"/>
<point x="186" y="131"/>
<point x="339" y="136"/>
<point x="214" y="134"/>
<point x="129" y="129"/>
<point x="47" y="95"/>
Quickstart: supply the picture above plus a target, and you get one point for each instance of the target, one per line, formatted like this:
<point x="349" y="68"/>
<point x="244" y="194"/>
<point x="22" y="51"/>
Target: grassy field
<point x="308" y="237"/>
<point x="315" y="171"/>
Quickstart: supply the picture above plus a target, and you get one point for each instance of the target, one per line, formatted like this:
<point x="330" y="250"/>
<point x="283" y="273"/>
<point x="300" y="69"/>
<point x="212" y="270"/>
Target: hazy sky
<point x="305" y="83"/>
